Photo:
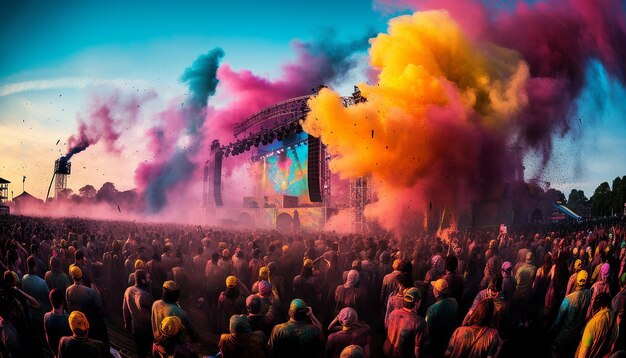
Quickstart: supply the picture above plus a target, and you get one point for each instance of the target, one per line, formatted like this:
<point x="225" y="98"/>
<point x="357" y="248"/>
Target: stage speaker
<point x="313" y="168"/>
<point x="217" y="179"/>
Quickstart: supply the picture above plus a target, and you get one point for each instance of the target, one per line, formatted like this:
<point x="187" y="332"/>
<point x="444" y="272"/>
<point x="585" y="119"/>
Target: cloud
<point x="67" y="83"/>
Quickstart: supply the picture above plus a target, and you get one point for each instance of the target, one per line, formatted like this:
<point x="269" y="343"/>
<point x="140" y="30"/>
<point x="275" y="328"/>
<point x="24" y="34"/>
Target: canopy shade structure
<point x="567" y="211"/>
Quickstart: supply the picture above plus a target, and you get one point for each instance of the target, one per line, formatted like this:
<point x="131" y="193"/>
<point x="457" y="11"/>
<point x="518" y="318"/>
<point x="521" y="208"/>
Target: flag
<point x="24" y="179"/>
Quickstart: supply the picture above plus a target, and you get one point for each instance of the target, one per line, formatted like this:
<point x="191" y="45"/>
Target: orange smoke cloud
<point x="436" y="127"/>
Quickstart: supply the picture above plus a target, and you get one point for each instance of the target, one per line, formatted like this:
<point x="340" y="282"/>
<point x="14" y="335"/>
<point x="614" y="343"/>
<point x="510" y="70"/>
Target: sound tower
<point x="217" y="178"/>
<point x="313" y="168"/>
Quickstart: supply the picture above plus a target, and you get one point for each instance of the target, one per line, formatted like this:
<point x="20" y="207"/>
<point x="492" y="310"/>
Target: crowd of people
<point x="554" y="291"/>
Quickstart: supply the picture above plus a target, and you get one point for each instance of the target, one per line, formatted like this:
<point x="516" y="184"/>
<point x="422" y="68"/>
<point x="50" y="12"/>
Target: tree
<point x="578" y="202"/>
<point x="618" y="195"/>
<point x="87" y="192"/>
<point x="601" y="200"/>
<point x="107" y="193"/>
<point x="556" y="195"/>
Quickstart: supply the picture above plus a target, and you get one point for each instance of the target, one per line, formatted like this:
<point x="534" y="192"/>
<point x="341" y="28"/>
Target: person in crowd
<point x="351" y="332"/>
<point x="601" y="331"/>
<point x="231" y="302"/>
<point x="570" y="320"/>
<point x="571" y="283"/>
<point x="215" y="276"/>
<point x="599" y="287"/>
<point x="157" y="272"/>
<point x="85" y="299"/>
<point x="138" y="265"/>
<point x="258" y="320"/>
<point x="477" y="337"/>
<point x="407" y="333"/>
<point x="617" y="305"/>
<point x="441" y="317"/>
<point x="242" y="341"/>
<point x="137" y="311"/>
<point x="350" y="294"/>
<point x="168" y="306"/>
<point x="55" y="322"/>
<point x="307" y="286"/>
<point x="36" y="287"/>
<point x="170" y="342"/>
<point x="79" y="345"/>
<point x="455" y="281"/>
<point x="301" y="336"/>
<point x="55" y="278"/>
<point x="79" y="260"/>
<point x="389" y="285"/>
<point x="396" y="299"/>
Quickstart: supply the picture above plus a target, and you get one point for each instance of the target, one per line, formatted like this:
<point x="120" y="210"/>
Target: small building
<point x="26" y="200"/>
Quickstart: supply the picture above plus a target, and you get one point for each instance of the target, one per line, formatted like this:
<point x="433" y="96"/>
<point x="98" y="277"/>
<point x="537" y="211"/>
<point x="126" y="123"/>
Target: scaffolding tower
<point x="62" y="169"/>
<point x="359" y="198"/>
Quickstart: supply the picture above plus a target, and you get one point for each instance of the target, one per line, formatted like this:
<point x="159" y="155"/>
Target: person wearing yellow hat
<point x="407" y="331"/>
<point x="571" y="318"/>
<point x="242" y="341"/>
<point x="571" y="283"/>
<point x="230" y="302"/>
<point x="297" y="332"/>
<point x="441" y="317"/>
<point x="170" y="342"/>
<point x="168" y="306"/>
<point x="80" y="297"/>
<point x="139" y="265"/>
<point x="79" y="344"/>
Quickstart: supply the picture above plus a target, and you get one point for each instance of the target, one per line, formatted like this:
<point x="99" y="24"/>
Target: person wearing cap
<point x="85" y="299"/>
<point x="351" y="332"/>
<point x="55" y="277"/>
<point x="258" y="320"/>
<point x="571" y="283"/>
<point x="441" y="317"/>
<point x="396" y="299"/>
<point x="477" y="337"/>
<point x="301" y="336"/>
<point x="242" y="341"/>
<point x="226" y="262"/>
<point x="601" y="286"/>
<point x="407" y="332"/>
<point x="601" y="331"/>
<point x="137" y="310"/>
<point x="268" y="299"/>
<point x="55" y="322"/>
<point x="79" y="345"/>
<point x="350" y="294"/>
<point x="168" y="306"/>
<point x="139" y="265"/>
<point x="508" y="282"/>
<point x="364" y="277"/>
<point x="353" y="351"/>
<point x="307" y="286"/>
<point x="570" y="321"/>
<point x="617" y="305"/>
<point x="390" y="283"/>
<point x="171" y="342"/>
<point x="231" y="302"/>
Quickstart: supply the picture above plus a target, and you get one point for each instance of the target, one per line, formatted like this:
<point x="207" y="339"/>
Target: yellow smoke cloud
<point x="441" y="105"/>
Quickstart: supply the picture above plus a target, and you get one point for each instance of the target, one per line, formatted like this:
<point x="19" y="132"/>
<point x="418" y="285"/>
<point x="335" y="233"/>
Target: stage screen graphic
<point x="282" y="167"/>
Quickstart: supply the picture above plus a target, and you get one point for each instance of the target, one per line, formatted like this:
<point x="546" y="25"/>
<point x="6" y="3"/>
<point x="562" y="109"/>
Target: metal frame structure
<point x="281" y="113"/>
<point x="359" y="198"/>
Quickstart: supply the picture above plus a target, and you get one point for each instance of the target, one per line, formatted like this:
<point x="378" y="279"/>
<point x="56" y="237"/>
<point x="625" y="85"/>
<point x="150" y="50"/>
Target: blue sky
<point x="54" y="54"/>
